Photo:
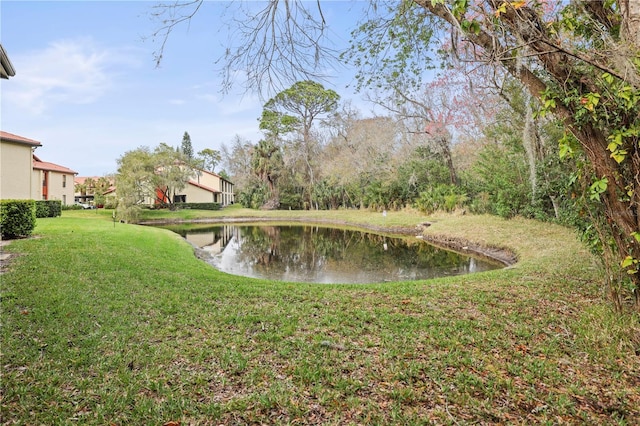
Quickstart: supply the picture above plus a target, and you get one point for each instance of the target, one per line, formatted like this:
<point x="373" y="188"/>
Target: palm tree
<point x="266" y="163"/>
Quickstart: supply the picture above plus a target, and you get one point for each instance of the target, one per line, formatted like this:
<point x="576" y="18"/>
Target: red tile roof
<point x="18" y="139"/>
<point x="81" y="179"/>
<point x="51" y="167"/>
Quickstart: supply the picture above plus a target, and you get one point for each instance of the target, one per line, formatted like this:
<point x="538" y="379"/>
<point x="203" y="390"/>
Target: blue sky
<point x="88" y="88"/>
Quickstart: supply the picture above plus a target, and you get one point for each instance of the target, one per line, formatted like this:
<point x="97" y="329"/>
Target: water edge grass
<point x="107" y="323"/>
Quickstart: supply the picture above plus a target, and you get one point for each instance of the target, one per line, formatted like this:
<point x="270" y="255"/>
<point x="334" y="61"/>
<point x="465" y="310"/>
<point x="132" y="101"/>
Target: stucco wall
<point x="56" y="190"/>
<point x="198" y="195"/>
<point x="210" y="180"/>
<point x="15" y="171"/>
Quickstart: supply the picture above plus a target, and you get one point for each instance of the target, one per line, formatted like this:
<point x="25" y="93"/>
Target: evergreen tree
<point x="186" y="147"/>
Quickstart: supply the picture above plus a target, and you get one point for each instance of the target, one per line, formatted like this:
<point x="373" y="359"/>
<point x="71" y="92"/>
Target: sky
<point x="87" y="86"/>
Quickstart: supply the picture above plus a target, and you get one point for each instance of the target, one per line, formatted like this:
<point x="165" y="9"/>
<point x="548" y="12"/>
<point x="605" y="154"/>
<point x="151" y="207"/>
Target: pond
<point x="318" y="254"/>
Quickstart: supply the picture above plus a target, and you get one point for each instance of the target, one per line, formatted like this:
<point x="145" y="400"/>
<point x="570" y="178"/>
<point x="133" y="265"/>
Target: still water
<point x="316" y="254"/>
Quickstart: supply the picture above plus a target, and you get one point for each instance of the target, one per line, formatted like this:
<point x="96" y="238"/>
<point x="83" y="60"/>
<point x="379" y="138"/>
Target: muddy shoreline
<point x="501" y="255"/>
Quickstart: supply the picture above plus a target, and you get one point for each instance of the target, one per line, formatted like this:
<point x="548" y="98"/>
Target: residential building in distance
<point x="208" y="187"/>
<point x="16" y="167"/>
<point x="88" y="187"/>
<point x="52" y="182"/>
<point x="203" y="187"/>
<point x="24" y="176"/>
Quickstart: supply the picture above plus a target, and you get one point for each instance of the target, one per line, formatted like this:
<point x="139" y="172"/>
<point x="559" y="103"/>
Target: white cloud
<point x="66" y="72"/>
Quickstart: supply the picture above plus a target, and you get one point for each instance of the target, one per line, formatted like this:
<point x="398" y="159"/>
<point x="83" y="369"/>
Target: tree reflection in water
<point x="305" y="253"/>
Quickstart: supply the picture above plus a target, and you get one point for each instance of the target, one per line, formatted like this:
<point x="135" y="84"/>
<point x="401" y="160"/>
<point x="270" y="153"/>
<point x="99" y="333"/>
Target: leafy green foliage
<point x="253" y="196"/>
<point x="267" y="164"/>
<point x="209" y="158"/>
<point x="392" y="47"/>
<point x="48" y="208"/>
<point x="501" y="174"/>
<point x="17" y="218"/>
<point x="150" y="177"/>
<point x="446" y="198"/>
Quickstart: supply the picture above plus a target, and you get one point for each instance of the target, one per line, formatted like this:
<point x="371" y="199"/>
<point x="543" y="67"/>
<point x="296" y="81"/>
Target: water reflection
<point x="324" y="255"/>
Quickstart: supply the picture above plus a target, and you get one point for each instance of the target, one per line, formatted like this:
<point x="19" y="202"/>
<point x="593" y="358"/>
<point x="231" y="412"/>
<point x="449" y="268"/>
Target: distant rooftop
<point x="44" y="165"/>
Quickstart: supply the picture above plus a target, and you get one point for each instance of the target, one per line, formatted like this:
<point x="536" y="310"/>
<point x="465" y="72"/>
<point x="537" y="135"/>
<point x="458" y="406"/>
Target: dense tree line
<point x="569" y="76"/>
<point x="384" y="163"/>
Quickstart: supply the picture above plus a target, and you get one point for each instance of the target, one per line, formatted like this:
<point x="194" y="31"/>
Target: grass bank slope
<point x="107" y="323"/>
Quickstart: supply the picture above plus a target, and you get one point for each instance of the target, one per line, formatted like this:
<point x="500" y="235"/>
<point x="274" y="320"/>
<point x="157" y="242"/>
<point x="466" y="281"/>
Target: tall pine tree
<point x="187" y="148"/>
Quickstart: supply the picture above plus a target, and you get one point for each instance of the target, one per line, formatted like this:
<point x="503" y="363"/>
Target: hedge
<point x="197" y="206"/>
<point x="48" y="208"/>
<point x="17" y="218"/>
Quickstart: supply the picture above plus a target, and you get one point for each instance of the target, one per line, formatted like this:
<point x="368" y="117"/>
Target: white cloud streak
<point x="65" y="72"/>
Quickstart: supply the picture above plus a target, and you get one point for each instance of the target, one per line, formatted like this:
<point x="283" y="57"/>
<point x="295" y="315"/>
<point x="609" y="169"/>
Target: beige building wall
<point x="213" y="181"/>
<point x="59" y="186"/>
<point x="198" y="195"/>
<point x="16" y="166"/>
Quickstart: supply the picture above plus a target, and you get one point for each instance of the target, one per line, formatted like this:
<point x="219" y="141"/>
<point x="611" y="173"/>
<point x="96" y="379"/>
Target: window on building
<point x="64" y="181"/>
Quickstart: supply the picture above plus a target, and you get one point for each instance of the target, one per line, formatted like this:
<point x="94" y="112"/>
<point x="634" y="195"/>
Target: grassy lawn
<point x="107" y="323"/>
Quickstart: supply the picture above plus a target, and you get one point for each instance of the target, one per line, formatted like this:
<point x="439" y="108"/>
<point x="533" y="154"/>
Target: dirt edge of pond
<point x="502" y="255"/>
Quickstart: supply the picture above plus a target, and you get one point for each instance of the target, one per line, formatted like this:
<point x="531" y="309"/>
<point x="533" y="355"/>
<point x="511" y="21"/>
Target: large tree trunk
<point x="622" y="196"/>
<point x="631" y="21"/>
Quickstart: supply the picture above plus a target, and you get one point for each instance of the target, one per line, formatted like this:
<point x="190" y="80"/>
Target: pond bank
<point x="502" y="255"/>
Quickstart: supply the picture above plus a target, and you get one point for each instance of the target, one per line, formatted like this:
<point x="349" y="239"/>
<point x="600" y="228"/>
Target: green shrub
<point x="72" y="207"/>
<point x="48" y="208"/>
<point x="42" y="209"/>
<point x="441" y="198"/>
<point x="17" y="218"/>
<point x="291" y="201"/>
<point x="197" y="206"/>
<point x="129" y="213"/>
<point x="110" y="202"/>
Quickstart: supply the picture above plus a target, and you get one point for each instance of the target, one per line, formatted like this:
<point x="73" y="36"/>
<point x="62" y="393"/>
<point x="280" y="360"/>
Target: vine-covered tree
<point x="266" y="163"/>
<point x="581" y="60"/>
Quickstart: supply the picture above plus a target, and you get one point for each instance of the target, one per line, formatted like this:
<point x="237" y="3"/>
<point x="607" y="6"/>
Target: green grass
<point x="107" y="323"/>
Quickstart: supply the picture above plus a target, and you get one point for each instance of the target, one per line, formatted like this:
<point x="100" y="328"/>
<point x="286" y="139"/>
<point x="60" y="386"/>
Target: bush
<point x="48" y="208"/>
<point x="291" y="201"/>
<point x="17" y="218"/>
<point x="72" y="207"/>
<point x="42" y="209"/>
<point x="129" y="213"/>
<point x="441" y="198"/>
<point x="110" y="202"/>
<point x="197" y="206"/>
